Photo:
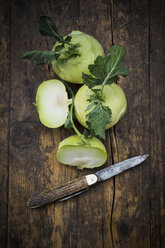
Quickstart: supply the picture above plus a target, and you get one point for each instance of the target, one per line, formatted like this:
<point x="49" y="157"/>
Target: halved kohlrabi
<point x="89" y="49"/>
<point x="72" y="151"/>
<point x="52" y="103"/>
<point x="113" y="97"/>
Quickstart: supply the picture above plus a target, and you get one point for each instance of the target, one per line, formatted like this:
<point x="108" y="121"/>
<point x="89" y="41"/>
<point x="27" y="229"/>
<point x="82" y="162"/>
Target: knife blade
<point x="79" y="185"/>
<point x="120" y="167"/>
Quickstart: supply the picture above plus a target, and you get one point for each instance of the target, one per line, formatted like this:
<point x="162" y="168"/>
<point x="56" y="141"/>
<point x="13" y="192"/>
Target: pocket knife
<point x="80" y="185"/>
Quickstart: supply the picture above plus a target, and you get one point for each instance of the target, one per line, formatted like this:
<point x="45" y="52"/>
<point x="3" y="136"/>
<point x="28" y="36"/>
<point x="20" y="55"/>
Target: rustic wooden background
<point x="127" y="211"/>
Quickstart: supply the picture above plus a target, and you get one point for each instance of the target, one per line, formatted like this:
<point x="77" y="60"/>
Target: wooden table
<point x="126" y="211"/>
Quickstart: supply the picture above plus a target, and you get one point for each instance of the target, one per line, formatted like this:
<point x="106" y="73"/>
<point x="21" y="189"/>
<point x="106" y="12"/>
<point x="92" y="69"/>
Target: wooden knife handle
<point x="58" y="192"/>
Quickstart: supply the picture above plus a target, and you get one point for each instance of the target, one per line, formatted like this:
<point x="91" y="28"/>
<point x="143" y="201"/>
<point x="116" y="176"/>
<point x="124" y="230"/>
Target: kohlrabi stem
<point x="73" y="125"/>
<point x="103" y="84"/>
<point x="79" y="134"/>
<point x="71" y="115"/>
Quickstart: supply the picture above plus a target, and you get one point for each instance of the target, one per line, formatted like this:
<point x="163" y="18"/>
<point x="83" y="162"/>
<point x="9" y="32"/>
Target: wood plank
<point x="4" y="118"/>
<point x="131" y="214"/>
<point x="157" y="123"/>
<point x="29" y="165"/>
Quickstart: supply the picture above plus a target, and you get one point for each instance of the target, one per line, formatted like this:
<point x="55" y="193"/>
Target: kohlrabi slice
<point x="89" y="49"/>
<point x="113" y="96"/>
<point x="72" y="151"/>
<point x="52" y="103"/>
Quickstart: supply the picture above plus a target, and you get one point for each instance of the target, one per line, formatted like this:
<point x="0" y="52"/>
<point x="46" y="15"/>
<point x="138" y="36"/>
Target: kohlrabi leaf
<point x="71" y="52"/>
<point x="48" y="28"/>
<point x="98" y="118"/>
<point x="68" y="39"/>
<point x="41" y="57"/>
<point x="69" y="121"/>
<point x="105" y="70"/>
<point x="89" y="80"/>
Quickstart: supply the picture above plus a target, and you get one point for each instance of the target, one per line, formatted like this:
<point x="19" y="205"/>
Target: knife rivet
<point x="91" y="179"/>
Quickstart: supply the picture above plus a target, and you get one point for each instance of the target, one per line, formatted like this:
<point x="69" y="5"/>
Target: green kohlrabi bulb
<point x="71" y="71"/>
<point x="113" y="97"/>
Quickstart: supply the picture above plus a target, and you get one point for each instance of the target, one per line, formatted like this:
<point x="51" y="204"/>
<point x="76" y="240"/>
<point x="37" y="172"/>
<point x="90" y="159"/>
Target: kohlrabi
<point x="113" y="97"/>
<point x="56" y="109"/>
<point x="100" y="103"/>
<point x="78" y="150"/>
<point x="71" y="70"/>
<point x="73" y="151"/>
<point x="52" y="103"/>
<point x="71" y="55"/>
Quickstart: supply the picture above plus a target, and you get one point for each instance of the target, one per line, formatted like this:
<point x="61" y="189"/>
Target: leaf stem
<point x="111" y="71"/>
<point x="71" y="116"/>
<point x="73" y="125"/>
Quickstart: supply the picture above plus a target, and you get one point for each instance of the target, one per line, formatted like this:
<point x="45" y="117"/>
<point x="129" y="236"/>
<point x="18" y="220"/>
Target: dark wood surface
<point x="126" y="211"/>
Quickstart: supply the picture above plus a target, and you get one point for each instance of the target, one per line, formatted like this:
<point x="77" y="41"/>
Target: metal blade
<point x="73" y="195"/>
<point x="120" y="167"/>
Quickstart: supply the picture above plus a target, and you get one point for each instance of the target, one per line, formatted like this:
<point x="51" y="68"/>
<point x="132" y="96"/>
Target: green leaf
<point x="90" y="106"/>
<point x="71" y="52"/>
<point x="40" y="57"/>
<point x="98" y="118"/>
<point x="68" y="38"/>
<point x="98" y="69"/>
<point x="96" y="96"/>
<point x="106" y="70"/>
<point x="86" y="134"/>
<point x="48" y="28"/>
<point x="59" y="48"/>
<point x="90" y="81"/>
<point x="68" y="123"/>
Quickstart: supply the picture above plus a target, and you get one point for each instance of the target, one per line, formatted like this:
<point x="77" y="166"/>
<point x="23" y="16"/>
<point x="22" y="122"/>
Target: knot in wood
<point x="123" y="229"/>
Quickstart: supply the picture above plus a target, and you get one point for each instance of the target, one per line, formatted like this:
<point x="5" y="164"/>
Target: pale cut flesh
<point x="72" y="151"/>
<point x="52" y="103"/>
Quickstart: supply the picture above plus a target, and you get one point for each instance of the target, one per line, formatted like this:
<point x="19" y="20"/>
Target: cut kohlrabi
<point x="52" y="103"/>
<point x="72" y="151"/>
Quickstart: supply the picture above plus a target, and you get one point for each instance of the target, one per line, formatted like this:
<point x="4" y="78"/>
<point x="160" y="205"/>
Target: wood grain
<point x="157" y="124"/>
<point x="132" y="133"/>
<point x="133" y="190"/>
<point x="127" y="211"/>
<point x="4" y="119"/>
